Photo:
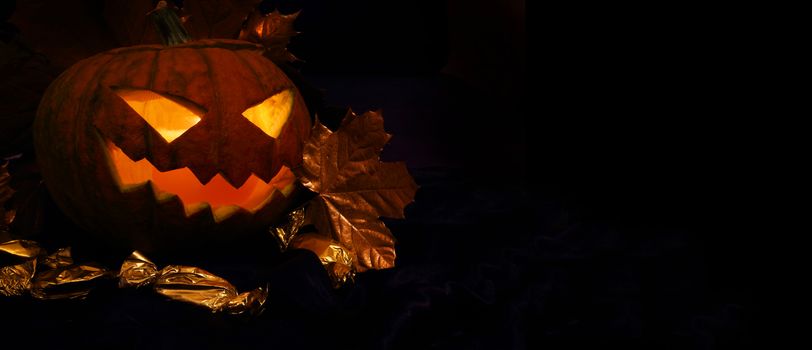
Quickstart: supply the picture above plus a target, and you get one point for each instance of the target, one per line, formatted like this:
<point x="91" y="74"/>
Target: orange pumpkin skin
<point x="81" y="117"/>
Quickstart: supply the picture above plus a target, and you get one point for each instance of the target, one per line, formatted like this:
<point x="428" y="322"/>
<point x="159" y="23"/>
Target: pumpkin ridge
<point x="153" y="71"/>
<point x="80" y="139"/>
<point x="59" y="83"/>
<point x="226" y="44"/>
<point x="69" y="166"/>
<point x="252" y="69"/>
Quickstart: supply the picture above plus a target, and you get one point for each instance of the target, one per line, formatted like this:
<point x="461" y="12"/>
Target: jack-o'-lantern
<point x="161" y="143"/>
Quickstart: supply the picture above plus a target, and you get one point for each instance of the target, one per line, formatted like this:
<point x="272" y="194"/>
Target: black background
<point x="579" y="188"/>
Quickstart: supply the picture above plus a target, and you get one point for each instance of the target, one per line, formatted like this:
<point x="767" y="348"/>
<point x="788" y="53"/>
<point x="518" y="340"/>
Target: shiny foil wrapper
<point x="335" y="258"/>
<point x="191" y="285"/>
<point x="19" y="249"/>
<point x="285" y="233"/>
<point x="67" y="282"/>
<point x="18" y="263"/>
<point x="252" y="302"/>
<point x="194" y="285"/>
<point x="15" y="280"/>
<point x="59" y="278"/>
<point x="137" y="271"/>
<point x="52" y="276"/>
<point x="61" y="258"/>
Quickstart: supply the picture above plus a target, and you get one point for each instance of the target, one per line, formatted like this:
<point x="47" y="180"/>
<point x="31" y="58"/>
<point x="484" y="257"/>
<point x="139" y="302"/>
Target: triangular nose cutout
<point x="168" y="117"/>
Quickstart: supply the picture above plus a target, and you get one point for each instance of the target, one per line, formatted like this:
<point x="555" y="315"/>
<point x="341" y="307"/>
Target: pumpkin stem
<point x="169" y="26"/>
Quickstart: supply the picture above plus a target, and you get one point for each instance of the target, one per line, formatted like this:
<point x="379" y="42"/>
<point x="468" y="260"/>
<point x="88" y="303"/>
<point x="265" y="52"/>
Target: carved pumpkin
<point x="157" y="144"/>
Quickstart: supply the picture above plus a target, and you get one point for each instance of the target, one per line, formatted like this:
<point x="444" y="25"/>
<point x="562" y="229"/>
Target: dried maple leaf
<point x="355" y="188"/>
<point x="273" y="31"/>
<point x="216" y="18"/>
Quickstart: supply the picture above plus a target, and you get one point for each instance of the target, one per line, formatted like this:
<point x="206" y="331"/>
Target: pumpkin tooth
<point x="194" y="208"/>
<point x="287" y="190"/>
<point x="132" y="187"/>
<point x="218" y="194"/>
<point x="161" y="196"/>
<point x="266" y="201"/>
<point x="223" y="213"/>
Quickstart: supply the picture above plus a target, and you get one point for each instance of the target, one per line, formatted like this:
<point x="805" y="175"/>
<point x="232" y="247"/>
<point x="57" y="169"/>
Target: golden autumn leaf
<point x="273" y="31"/>
<point x="355" y="188"/>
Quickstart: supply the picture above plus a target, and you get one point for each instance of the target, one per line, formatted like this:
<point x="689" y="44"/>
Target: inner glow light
<point x="169" y="118"/>
<point x="271" y="114"/>
<point x="220" y="195"/>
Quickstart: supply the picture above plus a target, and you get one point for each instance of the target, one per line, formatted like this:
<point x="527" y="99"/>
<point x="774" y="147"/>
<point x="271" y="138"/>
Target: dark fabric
<point x="478" y="267"/>
<point x="586" y="205"/>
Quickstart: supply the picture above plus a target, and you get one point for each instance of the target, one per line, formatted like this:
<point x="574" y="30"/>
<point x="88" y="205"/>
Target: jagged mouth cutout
<point x="171" y="118"/>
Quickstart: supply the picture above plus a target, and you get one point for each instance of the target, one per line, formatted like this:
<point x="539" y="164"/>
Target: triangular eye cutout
<point x="270" y="115"/>
<point x="168" y="117"/>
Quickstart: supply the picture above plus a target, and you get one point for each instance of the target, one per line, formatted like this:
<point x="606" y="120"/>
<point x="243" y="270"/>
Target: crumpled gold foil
<point x="192" y="285"/>
<point x="15" y="278"/>
<point x="252" y="302"/>
<point x="335" y="258"/>
<point x="61" y="258"/>
<point x="137" y="271"/>
<point x="285" y="233"/>
<point x="70" y="282"/>
<point x="59" y="278"/>
<point x="20" y="248"/>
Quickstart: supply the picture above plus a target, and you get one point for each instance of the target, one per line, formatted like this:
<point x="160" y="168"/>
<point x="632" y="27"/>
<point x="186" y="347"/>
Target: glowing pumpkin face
<point x="157" y="143"/>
